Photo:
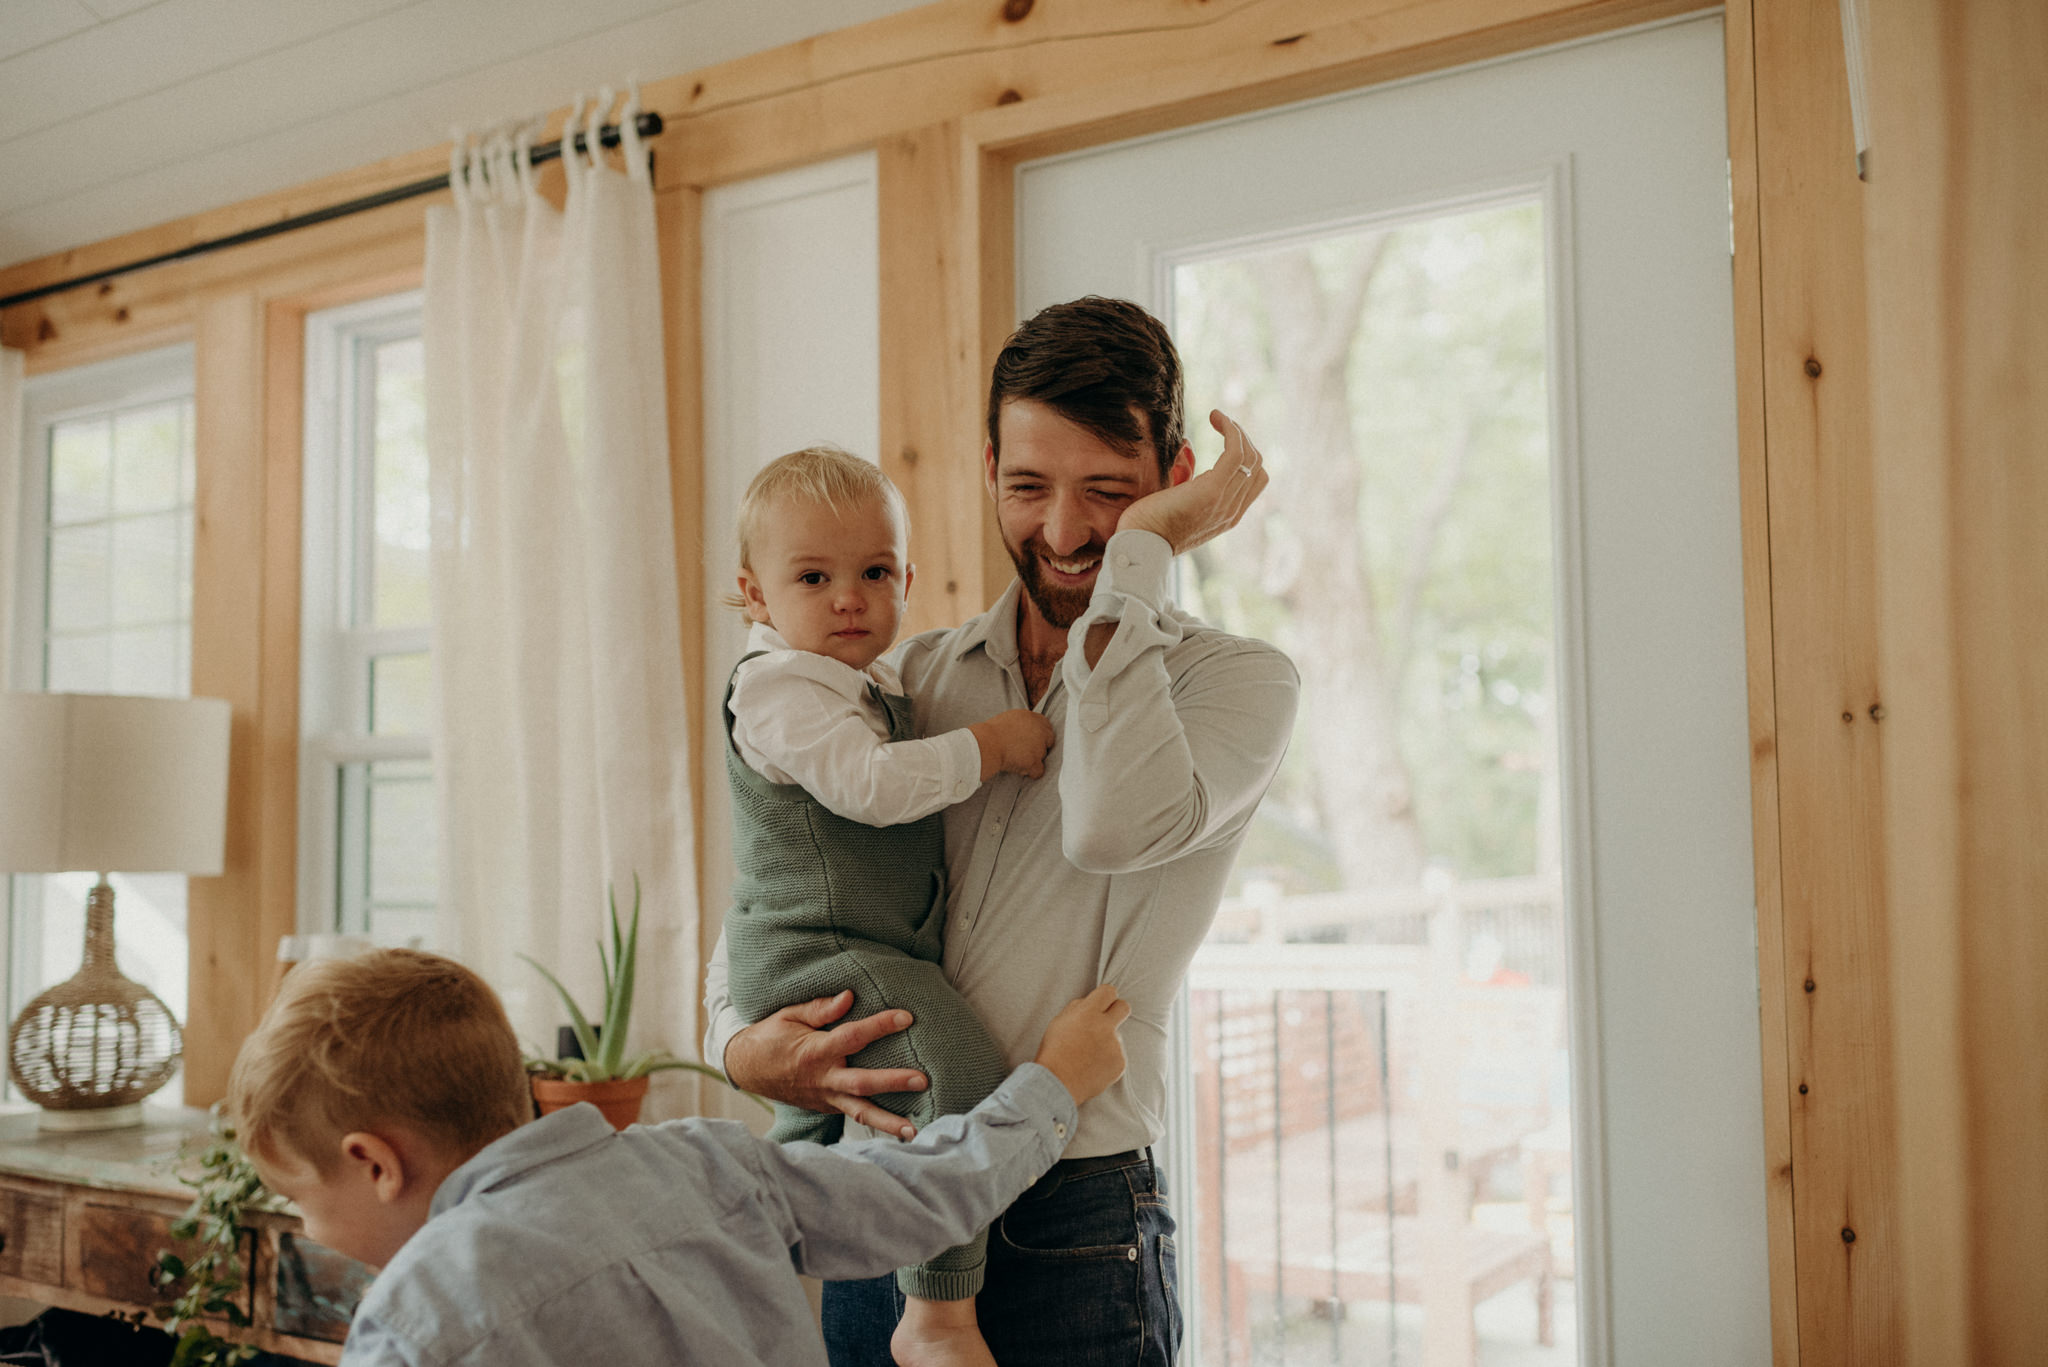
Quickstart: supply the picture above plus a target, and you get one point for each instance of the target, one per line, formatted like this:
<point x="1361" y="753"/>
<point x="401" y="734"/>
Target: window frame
<point x="337" y="537"/>
<point x="96" y="389"/>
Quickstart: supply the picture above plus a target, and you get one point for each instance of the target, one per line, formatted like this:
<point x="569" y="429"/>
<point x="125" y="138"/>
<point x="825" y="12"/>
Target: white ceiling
<point x="119" y="114"/>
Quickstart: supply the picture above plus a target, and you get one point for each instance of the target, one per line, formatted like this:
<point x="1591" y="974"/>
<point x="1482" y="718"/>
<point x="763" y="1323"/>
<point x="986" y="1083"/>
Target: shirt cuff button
<point x="1059" y="1127"/>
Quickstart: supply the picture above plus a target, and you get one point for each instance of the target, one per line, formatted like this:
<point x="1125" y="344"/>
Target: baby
<point x="837" y="845"/>
<point x="384" y="1094"/>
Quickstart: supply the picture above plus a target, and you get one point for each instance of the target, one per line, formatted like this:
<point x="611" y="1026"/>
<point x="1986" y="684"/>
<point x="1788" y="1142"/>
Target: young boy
<point x="837" y="843"/>
<point x="384" y="1094"/>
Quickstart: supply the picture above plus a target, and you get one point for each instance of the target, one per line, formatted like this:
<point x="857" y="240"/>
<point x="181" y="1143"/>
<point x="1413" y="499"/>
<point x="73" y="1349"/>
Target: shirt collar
<point x="553" y="1136"/>
<point x="995" y="630"/>
<point x="850" y="681"/>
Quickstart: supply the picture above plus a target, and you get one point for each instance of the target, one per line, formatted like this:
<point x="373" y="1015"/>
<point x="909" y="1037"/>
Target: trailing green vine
<point x="213" y="1278"/>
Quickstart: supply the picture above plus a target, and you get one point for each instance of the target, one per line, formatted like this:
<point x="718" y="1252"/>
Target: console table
<point x="83" y="1215"/>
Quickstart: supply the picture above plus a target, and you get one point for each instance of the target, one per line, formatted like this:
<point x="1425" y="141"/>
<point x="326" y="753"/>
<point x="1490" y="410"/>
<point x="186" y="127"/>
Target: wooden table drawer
<point x="117" y="1248"/>
<point x="31" y="1234"/>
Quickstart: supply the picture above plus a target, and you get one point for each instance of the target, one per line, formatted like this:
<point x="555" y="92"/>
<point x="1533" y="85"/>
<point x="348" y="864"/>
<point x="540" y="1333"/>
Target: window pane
<point x="148" y="662"/>
<point x="78" y="664"/>
<point x="147" y="443"/>
<point x="148" y="579"/>
<point x="81" y="469"/>
<point x="401" y="833"/>
<point x="81" y="567"/>
<point x="399" y="480"/>
<point x="1367" y="1143"/>
<point x="400" y="690"/>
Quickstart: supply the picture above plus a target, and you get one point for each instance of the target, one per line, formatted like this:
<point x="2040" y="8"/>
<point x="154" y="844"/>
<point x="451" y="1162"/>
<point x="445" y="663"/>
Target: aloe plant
<point x="604" y="1049"/>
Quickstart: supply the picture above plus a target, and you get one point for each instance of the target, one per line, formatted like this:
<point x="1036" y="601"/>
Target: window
<point x="367" y="846"/>
<point x="103" y="597"/>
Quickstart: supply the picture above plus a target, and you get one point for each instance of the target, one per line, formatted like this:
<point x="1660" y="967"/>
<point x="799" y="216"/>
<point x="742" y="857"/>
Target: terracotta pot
<point x="620" y="1101"/>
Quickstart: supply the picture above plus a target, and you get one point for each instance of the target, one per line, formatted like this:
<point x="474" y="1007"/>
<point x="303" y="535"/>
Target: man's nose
<point x="1066" y="525"/>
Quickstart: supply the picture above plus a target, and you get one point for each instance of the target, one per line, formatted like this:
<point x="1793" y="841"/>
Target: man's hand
<point x="1013" y="742"/>
<point x="792" y="1057"/>
<point x="1081" y="1047"/>
<point x="1208" y="505"/>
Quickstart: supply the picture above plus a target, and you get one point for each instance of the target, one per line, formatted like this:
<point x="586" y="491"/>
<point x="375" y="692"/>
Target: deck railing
<point x="1367" y="1068"/>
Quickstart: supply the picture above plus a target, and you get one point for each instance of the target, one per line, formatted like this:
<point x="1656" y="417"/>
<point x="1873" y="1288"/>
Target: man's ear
<point x="751" y="595"/>
<point x="1183" y="468"/>
<point x="988" y="468"/>
<point x="372" y="1160"/>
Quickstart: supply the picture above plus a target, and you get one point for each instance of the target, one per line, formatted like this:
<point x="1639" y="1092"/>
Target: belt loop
<point x="1151" y="1170"/>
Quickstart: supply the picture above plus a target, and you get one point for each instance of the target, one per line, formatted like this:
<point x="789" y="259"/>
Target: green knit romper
<point x="821" y="904"/>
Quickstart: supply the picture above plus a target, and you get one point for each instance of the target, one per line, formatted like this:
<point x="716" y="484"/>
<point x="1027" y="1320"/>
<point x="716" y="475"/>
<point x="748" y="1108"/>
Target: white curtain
<point x="11" y="419"/>
<point x="560" y="744"/>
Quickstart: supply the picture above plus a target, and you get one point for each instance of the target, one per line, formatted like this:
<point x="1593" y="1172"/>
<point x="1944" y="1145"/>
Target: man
<point x="1106" y="870"/>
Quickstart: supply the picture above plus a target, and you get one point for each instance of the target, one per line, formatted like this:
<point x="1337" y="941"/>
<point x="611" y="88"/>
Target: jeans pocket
<point x="1085" y="1217"/>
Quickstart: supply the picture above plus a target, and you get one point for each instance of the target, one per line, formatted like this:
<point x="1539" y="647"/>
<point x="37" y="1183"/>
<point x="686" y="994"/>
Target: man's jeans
<point x="1080" y="1274"/>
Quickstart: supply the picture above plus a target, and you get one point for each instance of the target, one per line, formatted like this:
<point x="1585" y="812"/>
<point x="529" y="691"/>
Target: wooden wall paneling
<point x="1762" y="682"/>
<point x="229" y="961"/>
<point x="1828" y="707"/>
<point x="933" y="380"/>
<point x="1959" y="308"/>
<point x="988" y="183"/>
<point x="678" y="217"/>
<point x="154" y="306"/>
<point x="275" y="910"/>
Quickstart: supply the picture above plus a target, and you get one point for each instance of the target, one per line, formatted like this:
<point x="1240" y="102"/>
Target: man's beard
<point x="1058" y="604"/>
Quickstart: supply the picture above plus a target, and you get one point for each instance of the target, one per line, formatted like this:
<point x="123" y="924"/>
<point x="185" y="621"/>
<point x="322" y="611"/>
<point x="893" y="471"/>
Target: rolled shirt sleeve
<point x="1153" y="768"/>
<point x="861" y="1209"/>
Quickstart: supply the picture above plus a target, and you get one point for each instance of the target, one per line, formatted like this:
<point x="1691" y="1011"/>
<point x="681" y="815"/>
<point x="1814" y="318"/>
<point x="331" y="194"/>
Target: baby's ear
<point x="909" y="574"/>
<point x="752" y="602"/>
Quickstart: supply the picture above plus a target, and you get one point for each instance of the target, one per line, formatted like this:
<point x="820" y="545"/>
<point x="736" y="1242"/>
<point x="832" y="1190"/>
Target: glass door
<point x="1480" y="326"/>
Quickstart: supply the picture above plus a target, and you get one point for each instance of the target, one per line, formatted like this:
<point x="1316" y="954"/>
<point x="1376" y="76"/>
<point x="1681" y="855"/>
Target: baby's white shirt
<point x="808" y="719"/>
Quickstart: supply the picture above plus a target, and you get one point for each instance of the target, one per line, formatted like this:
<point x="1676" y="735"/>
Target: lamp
<point x="102" y="783"/>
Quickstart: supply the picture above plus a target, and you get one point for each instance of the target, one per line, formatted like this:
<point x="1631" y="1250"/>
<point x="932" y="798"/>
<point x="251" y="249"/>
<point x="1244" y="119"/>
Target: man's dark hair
<point x="1105" y="365"/>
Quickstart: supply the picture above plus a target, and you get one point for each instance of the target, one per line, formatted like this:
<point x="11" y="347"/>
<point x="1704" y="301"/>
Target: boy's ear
<point x="371" y="1160"/>
<point x="751" y="595"/>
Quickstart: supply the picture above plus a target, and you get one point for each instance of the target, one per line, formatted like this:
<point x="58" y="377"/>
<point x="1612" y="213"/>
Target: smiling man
<point x="1107" y="869"/>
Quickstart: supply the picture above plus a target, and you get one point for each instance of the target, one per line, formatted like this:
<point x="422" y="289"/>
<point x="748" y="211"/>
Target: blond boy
<point x="384" y="1095"/>
<point x="838" y="849"/>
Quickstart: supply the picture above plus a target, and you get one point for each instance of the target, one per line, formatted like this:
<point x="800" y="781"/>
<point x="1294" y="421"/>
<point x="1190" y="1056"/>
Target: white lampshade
<point x="106" y="784"/>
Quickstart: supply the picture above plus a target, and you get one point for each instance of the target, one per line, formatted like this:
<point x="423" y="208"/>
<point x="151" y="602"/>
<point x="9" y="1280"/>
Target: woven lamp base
<point x="105" y="1118"/>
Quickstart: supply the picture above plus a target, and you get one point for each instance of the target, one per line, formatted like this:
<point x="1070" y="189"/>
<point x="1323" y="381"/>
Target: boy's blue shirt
<point x="565" y="1241"/>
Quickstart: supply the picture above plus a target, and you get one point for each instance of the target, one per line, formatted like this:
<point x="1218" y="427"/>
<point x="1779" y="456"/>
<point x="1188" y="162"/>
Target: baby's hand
<point x="1081" y="1047"/>
<point x="1013" y="742"/>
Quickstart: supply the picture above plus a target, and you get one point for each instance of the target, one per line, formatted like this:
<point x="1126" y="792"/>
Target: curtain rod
<point x="648" y="124"/>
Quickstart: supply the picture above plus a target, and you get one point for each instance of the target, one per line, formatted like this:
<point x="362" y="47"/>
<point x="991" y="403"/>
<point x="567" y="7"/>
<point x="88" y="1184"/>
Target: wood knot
<point x="1848" y="1235"/>
<point x="121" y="314"/>
<point x="45" y="330"/>
<point x="910" y="455"/>
<point x="1802" y="1089"/>
<point x="1813" y="367"/>
<point x="1809" y="984"/>
<point x="1848" y="717"/>
<point x="952" y="586"/>
<point x="106" y="288"/>
<point x="1288" y="42"/>
<point x="1015" y="10"/>
<point x="697" y="90"/>
<point x="1008" y="97"/>
<point x="1877" y="711"/>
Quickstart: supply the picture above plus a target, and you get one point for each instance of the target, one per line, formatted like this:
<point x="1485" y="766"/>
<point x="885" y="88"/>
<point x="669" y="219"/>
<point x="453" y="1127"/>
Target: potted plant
<point x="604" y="1076"/>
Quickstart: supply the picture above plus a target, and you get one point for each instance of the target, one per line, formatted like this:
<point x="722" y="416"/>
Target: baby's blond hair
<point x="390" y="1036"/>
<point x="827" y="475"/>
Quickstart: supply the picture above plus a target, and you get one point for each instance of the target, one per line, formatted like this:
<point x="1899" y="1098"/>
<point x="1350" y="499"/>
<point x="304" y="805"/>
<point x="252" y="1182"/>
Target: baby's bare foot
<point x="939" y="1334"/>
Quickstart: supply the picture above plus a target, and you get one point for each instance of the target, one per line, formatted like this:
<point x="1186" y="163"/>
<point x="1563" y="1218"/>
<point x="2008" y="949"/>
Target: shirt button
<point x="1059" y="1127"/>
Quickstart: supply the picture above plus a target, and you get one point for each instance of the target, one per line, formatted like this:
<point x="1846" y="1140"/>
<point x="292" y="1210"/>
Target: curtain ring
<point x="457" y="169"/>
<point x="593" y="137"/>
<point x="569" y="131"/>
<point x="629" y="133"/>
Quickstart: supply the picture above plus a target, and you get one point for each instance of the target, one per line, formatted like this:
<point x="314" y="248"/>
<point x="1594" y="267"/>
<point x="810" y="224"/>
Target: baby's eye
<point x="811" y="577"/>
<point x="878" y="572"/>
